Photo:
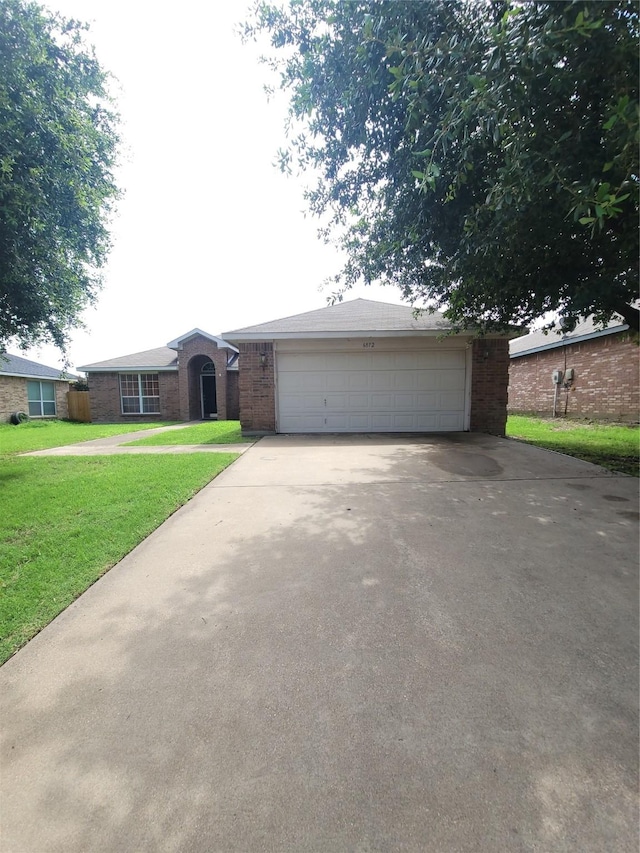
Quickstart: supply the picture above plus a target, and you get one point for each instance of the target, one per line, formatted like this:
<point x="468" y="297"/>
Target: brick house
<point x="32" y="388"/>
<point x="596" y="369"/>
<point x="193" y="377"/>
<point x="365" y="366"/>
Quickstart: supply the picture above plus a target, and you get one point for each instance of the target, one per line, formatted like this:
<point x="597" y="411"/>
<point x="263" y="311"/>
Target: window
<point x="41" y="397"/>
<point x="139" y="394"/>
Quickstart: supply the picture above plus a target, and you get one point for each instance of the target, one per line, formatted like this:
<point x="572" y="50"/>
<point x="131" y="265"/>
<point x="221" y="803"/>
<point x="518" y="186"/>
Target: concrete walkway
<point x="346" y="644"/>
<point x="114" y="444"/>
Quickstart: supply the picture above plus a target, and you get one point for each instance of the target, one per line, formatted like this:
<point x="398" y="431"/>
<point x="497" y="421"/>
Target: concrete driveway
<point x="346" y="644"/>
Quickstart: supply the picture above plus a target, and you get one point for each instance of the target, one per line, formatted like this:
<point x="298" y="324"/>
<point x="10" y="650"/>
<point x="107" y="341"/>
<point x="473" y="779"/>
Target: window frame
<point x="39" y="400"/>
<point x="142" y="382"/>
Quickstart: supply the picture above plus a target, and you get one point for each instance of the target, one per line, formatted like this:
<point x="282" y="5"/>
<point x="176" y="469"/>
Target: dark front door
<point x="209" y="402"/>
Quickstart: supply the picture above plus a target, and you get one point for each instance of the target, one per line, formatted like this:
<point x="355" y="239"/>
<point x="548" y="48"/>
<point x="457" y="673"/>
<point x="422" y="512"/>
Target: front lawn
<point x="40" y="435"/>
<point x="614" y="446"/>
<point x="209" y="432"/>
<point x="67" y="520"/>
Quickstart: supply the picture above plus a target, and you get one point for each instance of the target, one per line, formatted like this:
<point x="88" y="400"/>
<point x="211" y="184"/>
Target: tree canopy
<point x="58" y="147"/>
<point x="481" y="156"/>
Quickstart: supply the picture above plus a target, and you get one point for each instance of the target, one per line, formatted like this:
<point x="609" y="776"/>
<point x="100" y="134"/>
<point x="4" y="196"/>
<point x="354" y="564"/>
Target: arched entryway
<point x="208" y="395"/>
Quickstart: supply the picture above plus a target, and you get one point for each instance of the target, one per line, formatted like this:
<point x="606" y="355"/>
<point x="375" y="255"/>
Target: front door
<point x="208" y="395"/>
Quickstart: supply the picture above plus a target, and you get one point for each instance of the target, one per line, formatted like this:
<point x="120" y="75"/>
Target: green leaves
<point x="58" y="145"/>
<point x="461" y="149"/>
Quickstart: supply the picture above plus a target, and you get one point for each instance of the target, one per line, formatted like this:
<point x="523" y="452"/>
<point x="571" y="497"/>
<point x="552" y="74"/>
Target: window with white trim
<point x="139" y="394"/>
<point x="41" y="397"/>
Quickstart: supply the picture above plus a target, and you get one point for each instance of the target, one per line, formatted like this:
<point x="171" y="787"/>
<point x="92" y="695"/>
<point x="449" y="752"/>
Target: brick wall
<point x="13" y="397"/>
<point x="194" y="354"/>
<point x="257" y="388"/>
<point x="605" y="382"/>
<point x="489" y="383"/>
<point x="490" y="376"/>
<point x="104" y="394"/>
<point x="233" y="395"/>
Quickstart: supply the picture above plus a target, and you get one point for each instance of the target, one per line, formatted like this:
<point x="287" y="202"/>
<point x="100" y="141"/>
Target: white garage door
<point x="371" y="391"/>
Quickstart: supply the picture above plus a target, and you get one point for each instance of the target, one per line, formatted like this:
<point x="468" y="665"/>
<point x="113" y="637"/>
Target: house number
<point x="368" y="344"/>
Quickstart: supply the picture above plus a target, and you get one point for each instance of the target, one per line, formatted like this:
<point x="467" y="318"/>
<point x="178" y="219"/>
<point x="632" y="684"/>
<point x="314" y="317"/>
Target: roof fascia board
<point x="142" y="369"/>
<point x="310" y="336"/>
<point x="249" y="337"/>
<point x="566" y="341"/>
<point x="40" y="377"/>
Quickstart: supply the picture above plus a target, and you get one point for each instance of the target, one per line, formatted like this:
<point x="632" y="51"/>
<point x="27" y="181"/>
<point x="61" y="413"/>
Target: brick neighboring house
<point x="365" y="366"/>
<point x="599" y="373"/>
<point x="26" y="386"/>
<point x="193" y="377"/>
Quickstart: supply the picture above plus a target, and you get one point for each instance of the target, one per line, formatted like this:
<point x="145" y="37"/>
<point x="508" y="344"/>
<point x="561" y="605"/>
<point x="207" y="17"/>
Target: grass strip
<point x="66" y="521"/>
<point x="209" y="432"/>
<point x="40" y="435"/>
<point x="613" y="446"/>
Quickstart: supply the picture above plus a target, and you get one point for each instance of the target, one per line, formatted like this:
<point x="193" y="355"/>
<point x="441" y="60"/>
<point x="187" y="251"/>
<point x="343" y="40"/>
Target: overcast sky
<point x="209" y="234"/>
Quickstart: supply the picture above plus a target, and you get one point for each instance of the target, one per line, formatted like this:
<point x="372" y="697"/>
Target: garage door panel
<point x="452" y="378"/>
<point x="451" y="400"/>
<point x="382" y="402"/>
<point x="451" y="359"/>
<point x="422" y="390"/>
<point x="382" y="380"/>
<point x="299" y="383"/>
<point x="358" y="381"/>
<point x="451" y="421"/>
<point x="299" y="404"/>
<point x="427" y="402"/>
<point x="336" y="402"/>
<point x="336" y="381"/>
<point x="334" y="361"/>
<point x="405" y="380"/>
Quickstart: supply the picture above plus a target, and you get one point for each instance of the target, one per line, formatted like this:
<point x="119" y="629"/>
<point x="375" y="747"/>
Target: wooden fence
<point x="79" y="408"/>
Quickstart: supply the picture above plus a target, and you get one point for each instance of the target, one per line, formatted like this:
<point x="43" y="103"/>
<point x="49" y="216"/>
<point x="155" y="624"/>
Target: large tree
<point x="482" y="156"/>
<point x="58" y="145"/>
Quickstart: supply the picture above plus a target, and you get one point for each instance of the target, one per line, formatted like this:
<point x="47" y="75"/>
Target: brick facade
<point x="104" y="392"/>
<point x="489" y="383"/>
<point x="13" y="396"/>
<point x="233" y="395"/>
<point x="605" y="384"/>
<point x="180" y="394"/>
<point x="257" y="388"/>
<point x="194" y="353"/>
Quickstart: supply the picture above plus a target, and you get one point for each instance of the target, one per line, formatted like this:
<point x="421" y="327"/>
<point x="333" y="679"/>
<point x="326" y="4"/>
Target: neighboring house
<point x="193" y="377"/>
<point x="26" y="386"/>
<point x="364" y="366"/>
<point x="598" y="373"/>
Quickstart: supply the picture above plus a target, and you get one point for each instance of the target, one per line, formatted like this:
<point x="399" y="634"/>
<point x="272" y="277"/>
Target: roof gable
<point x="177" y="344"/>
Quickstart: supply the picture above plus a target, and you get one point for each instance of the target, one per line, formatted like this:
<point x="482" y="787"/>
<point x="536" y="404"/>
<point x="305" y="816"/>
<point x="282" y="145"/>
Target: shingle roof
<point x="178" y="342"/>
<point x="356" y="316"/>
<point x="162" y="358"/>
<point x="15" y="365"/>
<point x="539" y="340"/>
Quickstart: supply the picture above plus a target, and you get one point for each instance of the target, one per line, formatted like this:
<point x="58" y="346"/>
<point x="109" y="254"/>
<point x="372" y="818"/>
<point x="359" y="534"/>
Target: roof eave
<point x="248" y="337"/>
<point x="145" y="368"/>
<point x="40" y="377"/>
<point x="567" y="341"/>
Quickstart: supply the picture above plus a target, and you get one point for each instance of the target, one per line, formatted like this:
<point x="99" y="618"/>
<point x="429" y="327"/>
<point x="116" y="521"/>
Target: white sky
<point x="209" y="234"/>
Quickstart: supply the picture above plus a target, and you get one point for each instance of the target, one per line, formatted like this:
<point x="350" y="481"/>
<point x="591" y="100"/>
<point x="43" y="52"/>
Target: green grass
<point x="39" y="435"/>
<point x="210" y="432"/>
<point x="67" y="520"/>
<point x="614" y="446"/>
